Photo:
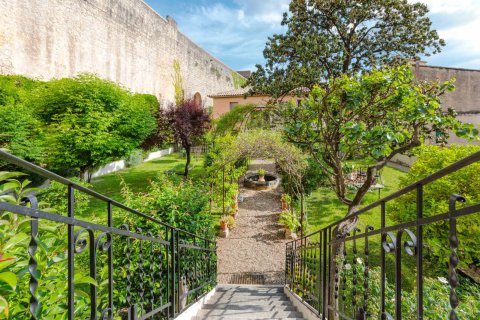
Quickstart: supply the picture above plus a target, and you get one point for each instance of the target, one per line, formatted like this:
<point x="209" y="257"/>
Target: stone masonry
<point x="122" y="40"/>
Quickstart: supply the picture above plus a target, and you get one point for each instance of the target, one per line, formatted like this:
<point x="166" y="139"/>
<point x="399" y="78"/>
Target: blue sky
<point x="235" y="31"/>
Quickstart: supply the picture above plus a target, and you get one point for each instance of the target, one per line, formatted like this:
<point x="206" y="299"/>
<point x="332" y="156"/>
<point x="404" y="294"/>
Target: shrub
<point x="289" y="220"/>
<point x="465" y="182"/>
<point x="20" y="130"/>
<point x="91" y="121"/>
<point x="51" y="256"/>
<point x="134" y="158"/>
<point x="181" y="204"/>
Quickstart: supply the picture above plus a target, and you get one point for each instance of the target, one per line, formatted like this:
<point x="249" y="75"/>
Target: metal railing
<point x="139" y="268"/>
<point x="367" y="278"/>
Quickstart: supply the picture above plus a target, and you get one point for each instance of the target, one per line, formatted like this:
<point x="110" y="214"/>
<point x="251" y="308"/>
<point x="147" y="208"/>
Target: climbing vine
<point x="177" y="82"/>
<point x="238" y="80"/>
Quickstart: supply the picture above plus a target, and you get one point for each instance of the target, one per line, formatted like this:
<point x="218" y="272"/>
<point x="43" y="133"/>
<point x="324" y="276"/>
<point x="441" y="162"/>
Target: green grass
<point x="138" y="177"/>
<point x="324" y="208"/>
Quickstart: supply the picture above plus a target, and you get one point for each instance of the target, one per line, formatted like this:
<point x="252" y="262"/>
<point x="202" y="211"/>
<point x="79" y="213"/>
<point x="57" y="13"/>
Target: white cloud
<point x="236" y="34"/>
<point x="458" y="22"/>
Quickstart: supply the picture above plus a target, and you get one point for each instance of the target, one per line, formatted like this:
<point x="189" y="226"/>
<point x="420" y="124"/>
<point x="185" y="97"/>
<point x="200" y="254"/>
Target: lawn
<point x="138" y="177"/>
<point x="324" y="208"/>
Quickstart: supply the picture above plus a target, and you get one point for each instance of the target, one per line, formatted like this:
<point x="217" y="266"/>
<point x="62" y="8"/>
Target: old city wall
<point x="122" y="40"/>
<point x="465" y="99"/>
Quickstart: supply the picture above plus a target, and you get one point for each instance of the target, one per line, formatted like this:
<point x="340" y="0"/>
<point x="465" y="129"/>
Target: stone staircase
<point x="250" y="303"/>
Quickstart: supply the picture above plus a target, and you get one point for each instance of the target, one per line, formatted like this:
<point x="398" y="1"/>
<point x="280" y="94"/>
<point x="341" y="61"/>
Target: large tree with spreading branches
<point x="327" y="38"/>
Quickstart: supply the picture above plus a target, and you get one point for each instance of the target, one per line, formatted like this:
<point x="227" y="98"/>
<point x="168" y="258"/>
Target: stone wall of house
<point x="465" y="99"/>
<point x="122" y="40"/>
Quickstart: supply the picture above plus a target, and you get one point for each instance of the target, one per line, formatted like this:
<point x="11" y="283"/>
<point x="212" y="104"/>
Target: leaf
<point x="7" y="260"/>
<point x="10" y="185"/>
<point x="4" y="306"/>
<point x="9" y="278"/>
<point x="82" y="279"/>
<point x="4" y="175"/>
<point x="15" y="240"/>
<point x="8" y="198"/>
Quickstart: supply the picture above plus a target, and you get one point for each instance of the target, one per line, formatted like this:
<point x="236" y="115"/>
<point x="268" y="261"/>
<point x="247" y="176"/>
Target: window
<point x="233" y="105"/>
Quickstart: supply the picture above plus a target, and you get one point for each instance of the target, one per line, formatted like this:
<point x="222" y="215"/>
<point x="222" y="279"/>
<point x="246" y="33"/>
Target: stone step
<point x="230" y="318"/>
<point x="244" y="314"/>
<point x="249" y="302"/>
<point x="245" y="318"/>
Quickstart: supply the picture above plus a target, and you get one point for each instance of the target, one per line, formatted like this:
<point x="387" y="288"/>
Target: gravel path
<point x="254" y="252"/>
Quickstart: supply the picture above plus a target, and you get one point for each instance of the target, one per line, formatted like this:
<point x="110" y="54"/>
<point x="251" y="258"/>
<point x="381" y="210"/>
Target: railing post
<point x="132" y="312"/>
<point x="71" y="253"/>
<point x="419" y="253"/>
<point x="173" y="250"/>
<point x="382" y="264"/>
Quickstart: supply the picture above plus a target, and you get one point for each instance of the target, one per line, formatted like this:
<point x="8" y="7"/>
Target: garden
<point x="332" y="150"/>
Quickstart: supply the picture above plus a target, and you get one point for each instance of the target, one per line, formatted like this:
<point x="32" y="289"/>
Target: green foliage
<point x="177" y="82"/>
<point x="223" y="173"/>
<point x="329" y="38"/>
<point x="238" y="80"/>
<point x="465" y="182"/>
<point x="91" y="122"/>
<point x="56" y="195"/>
<point x="246" y="117"/>
<point x="233" y="121"/>
<point x="436" y="296"/>
<point x="51" y="257"/>
<point x="20" y="131"/>
<point x="290" y="220"/>
<point x="178" y="203"/>
<point x="134" y="158"/>
<point x="371" y="116"/>
<point x="261" y="172"/>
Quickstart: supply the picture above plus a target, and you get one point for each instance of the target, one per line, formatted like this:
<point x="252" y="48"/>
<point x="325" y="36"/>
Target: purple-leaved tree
<point x="189" y="121"/>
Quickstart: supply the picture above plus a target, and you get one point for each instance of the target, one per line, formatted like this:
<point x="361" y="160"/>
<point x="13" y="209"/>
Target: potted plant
<point x="261" y="175"/>
<point x="224" y="231"/>
<point x="285" y="200"/>
<point x="234" y="205"/>
<point x="290" y="222"/>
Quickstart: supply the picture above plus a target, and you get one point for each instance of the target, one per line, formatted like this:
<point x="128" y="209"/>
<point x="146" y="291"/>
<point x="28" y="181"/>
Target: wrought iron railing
<point x="382" y="262"/>
<point x="138" y="268"/>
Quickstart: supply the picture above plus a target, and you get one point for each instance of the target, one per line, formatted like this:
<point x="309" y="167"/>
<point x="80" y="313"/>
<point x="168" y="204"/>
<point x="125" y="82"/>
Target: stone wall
<point x="122" y="40"/>
<point x="465" y="99"/>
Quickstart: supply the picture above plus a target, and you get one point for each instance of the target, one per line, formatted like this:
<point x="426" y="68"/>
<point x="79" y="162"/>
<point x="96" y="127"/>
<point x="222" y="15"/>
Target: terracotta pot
<point x="288" y="233"/>
<point x="224" y="230"/>
<point x="261" y="178"/>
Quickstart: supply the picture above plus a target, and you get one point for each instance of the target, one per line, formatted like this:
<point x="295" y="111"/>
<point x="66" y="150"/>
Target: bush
<point x="181" y="204"/>
<point x="20" y="130"/>
<point x="90" y="122"/>
<point x="465" y="182"/>
<point x="134" y="158"/>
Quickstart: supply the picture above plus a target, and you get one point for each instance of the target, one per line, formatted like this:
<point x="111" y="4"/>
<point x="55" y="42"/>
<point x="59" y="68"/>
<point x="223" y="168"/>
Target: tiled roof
<point x="242" y="92"/>
<point x="231" y="93"/>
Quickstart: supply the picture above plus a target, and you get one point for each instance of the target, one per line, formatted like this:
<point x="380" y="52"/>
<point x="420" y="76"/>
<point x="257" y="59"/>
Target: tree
<point x="90" y="122"/>
<point x="328" y="38"/>
<point x="189" y="122"/>
<point x="372" y="116"/>
<point x="20" y="130"/>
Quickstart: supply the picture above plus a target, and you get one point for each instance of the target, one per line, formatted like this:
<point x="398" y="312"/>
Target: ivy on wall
<point x="177" y="82"/>
<point x="238" y="80"/>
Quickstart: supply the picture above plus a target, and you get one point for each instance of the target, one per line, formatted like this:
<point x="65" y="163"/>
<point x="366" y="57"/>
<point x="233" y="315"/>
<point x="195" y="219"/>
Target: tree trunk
<point x="337" y="250"/>
<point x="187" y="165"/>
<point x="302" y="214"/>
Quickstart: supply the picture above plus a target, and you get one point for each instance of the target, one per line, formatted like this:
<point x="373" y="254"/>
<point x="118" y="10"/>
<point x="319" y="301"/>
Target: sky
<point x="235" y="31"/>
